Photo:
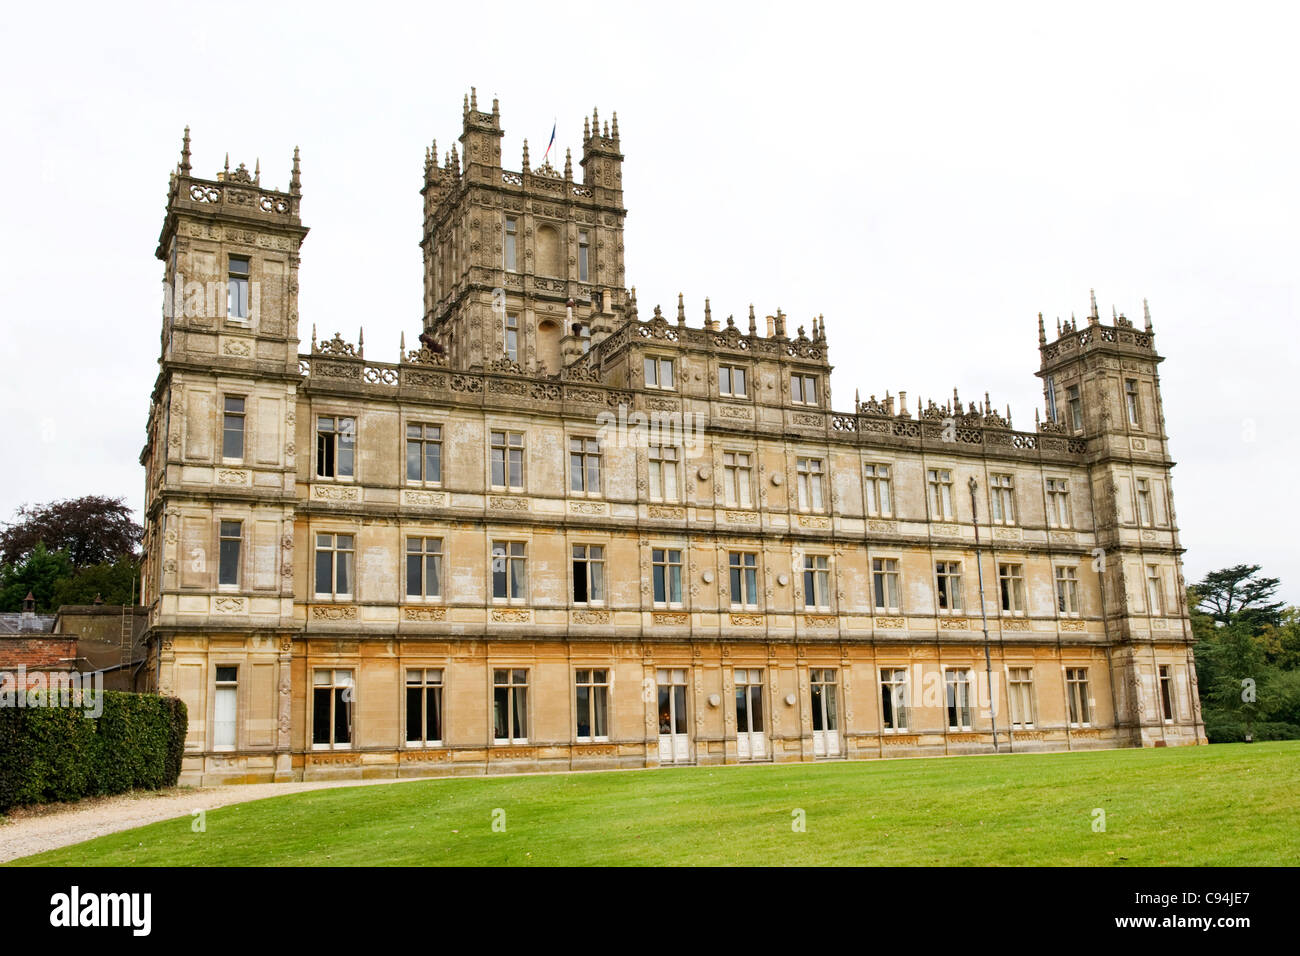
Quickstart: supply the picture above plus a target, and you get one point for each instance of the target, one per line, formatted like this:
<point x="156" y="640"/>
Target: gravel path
<point x="36" y="829"/>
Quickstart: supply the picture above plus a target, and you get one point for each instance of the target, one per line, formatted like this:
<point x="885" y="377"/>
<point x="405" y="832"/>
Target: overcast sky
<point x="927" y="177"/>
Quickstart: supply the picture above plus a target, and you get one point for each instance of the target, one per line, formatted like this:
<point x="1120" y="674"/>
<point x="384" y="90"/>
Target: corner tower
<point x="523" y="268"/>
<point x="1101" y="383"/>
<point x="220" y="461"/>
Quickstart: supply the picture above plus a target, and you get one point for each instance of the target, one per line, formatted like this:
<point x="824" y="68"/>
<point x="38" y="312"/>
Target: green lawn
<point x="1236" y="804"/>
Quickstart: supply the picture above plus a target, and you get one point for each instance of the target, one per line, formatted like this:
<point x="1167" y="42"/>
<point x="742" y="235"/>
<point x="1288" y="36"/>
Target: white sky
<point x="929" y="177"/>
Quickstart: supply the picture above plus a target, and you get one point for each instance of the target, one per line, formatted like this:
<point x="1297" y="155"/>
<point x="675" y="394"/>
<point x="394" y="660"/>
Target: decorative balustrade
<point x="241" y="194"/>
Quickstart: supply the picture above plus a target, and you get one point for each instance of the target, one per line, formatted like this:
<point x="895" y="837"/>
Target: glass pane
<point x="433" y="714"/>
<point x="433" y="461"/>
<point x="832" y="714"/>
<point x="584" y="710"/>
<point x="665" y="708"/>
<point x="324" y="571"/>
<point x="433" y="575"/>
<point x="501" y="712"/>
<point x="320" y="724"/>
<point x="342" y="716"/>
<point x="414" y="586"/>
<point x="756" y="707"/>
<point x="599" y="717"/>
<point x="414" y="713"/>
<point x="675" y="584"/>
<point x="817" y="708"/>
<point x="343" y="564"/>
<point x="521" y="711"/>
<point x="413" y="460"/>
<point x="679" y="708"/>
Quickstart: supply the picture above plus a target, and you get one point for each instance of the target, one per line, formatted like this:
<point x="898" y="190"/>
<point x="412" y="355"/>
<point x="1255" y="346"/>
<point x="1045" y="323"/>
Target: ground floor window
<point x="750" y="734"/>
<point x="593" y="704"/>
<point x="674" y="731"/>
<point x="1020" y="696"/>
<point x="510" y="705"/>
<point x="1076" y="694"/>
<point x="1166" y="692"/>
<point x="225" y="708"/>
<point x="332" y="698"/>
<point x="424" y="706"/>
<point x="893" y="698"/>
<point x="958" y="694"/>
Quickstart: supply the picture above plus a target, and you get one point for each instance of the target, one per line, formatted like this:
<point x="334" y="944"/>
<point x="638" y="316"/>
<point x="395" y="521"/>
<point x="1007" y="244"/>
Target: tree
<point x="115" y="582"/>
<point x="90" y="530"/>
<point x="40" y="573"/>
<point x="1235" y="593"/>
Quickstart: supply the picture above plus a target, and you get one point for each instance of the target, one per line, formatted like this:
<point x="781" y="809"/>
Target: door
<point x="674" y="735"/>
<point x="751" y="739"/>
<point x="825" y="713"/>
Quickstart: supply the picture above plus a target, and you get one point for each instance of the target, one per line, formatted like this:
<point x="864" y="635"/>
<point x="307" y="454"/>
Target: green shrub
<point x="52" y="754"/>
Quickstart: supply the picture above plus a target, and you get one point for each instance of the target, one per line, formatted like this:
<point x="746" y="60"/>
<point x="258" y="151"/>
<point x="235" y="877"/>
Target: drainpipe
<point x="984" y="618"/>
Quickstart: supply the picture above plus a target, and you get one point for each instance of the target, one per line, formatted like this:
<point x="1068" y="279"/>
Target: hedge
<point x="50" y="754"/>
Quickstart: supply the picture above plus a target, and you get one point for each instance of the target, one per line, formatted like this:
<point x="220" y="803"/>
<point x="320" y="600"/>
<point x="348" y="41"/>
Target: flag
<point x="551" y="143"/>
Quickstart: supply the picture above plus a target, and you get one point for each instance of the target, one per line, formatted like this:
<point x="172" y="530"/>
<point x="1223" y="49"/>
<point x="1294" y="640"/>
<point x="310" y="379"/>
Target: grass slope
<point x="1234" y="804"/>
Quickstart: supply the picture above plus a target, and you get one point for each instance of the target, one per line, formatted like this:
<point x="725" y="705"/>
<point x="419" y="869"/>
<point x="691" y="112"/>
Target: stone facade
<point x="480" y="558"/>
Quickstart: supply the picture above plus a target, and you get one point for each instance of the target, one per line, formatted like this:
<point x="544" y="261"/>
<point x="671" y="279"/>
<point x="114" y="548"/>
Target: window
<point x="744" y="578"/>
<point x="225" y="708"/>
<point x="332" y="699"/>
<point x="231" y="538"/>
<point x="588" y="574"/>
<point x="1053" y="413"/>
<point x="940" y="482"/>
<point x="816" y="581"/>
<point x="666" y="571"/>
<point x="1075" y="405"/>
<point x="1131" y="402"/>
<point x="507" y="455"/>
<point x="424" y="567"/>
<point x="1144" y="502"/>
<point x="731" y="381"/>
<point x="1011" y="585"/>
<point x="749" y="704"/>
<point x="1167" y="692"/>
<point x="1076" y="695"/>
<point x="593" y="704"/>
<point x="509" y="571"/>
<point x="958" y="693"/>
<point x="879" y="499"/>
<point x="237" y="289"/>
<point x="1067" y="591"/>
<point x="584" y="466"/>
<point x="663" y="472"/>
<point x="424" y="453"/>
<point x="584" y="254"/>
<point x="424" y="707"/>
<point x="803" y="389"/>
<point x="512" y="336"/>
<point x="1020" y="694"/>
<point x="893" y="698"/>
<point x="512" y="245"/>
<point x="1003" y="494"/>
<point x="335" y="447"/>
<point x="510" y="705"/>
<point x="884" y="583"/>
<point x="809" y="471"/>
<point x="232" y="428"/>
<point x="948" y="576"/>
<point x="1155" y="593"/>
<point x="736" y="478"/>
<point x="1058" y="503"/>
<point x="658" y="372"/>
<point x="673" y="726"/>
<point x="334" y="554"/>
<point x="825" y="712"/>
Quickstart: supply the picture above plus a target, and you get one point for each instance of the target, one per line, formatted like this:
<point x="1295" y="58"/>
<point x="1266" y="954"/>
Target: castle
<point x="560" y="533"/>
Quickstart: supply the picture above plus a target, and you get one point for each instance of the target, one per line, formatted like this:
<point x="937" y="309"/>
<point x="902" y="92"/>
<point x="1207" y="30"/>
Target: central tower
<point x="523" y="268"/>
